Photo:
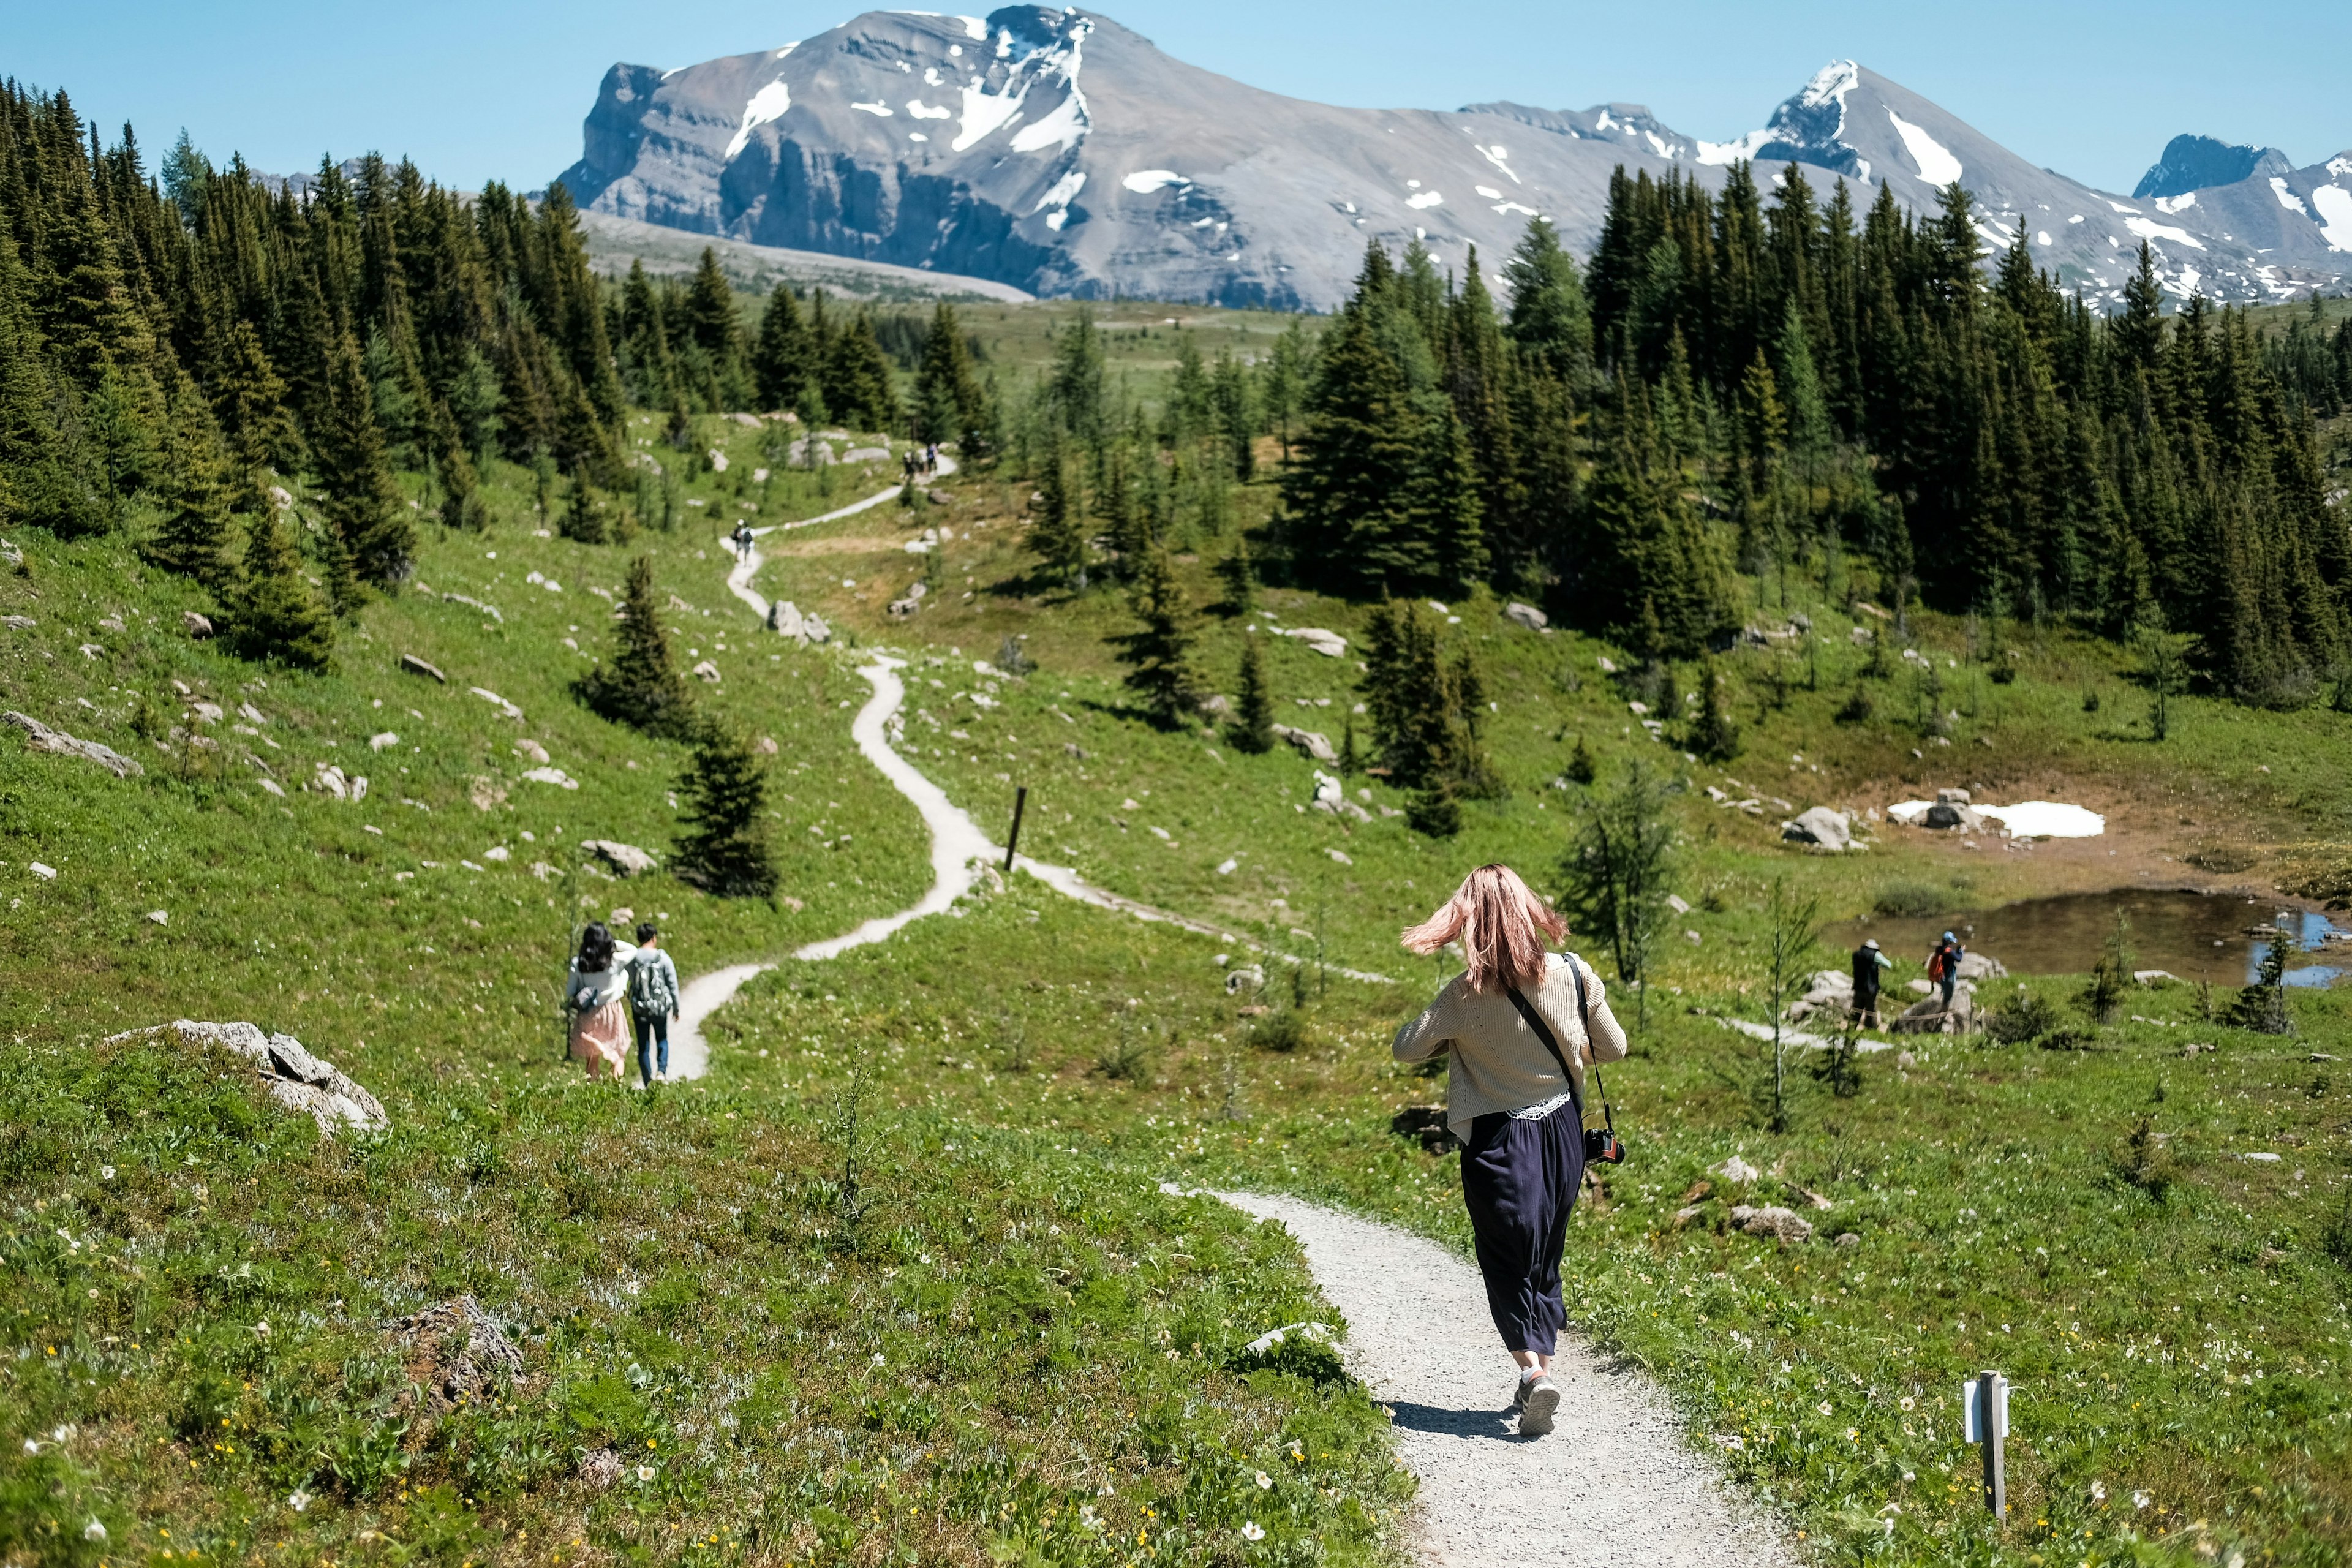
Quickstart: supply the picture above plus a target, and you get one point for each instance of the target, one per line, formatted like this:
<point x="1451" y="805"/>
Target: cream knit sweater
<point x="1500" y="1064"/>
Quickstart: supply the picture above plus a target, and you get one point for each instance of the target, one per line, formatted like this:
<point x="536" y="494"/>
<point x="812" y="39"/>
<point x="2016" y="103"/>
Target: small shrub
<point x="2262" y="1007"/>
<point x="1298" y="1353"/>
<point x="1127" y="1057"/>
<point x="2029" y="1017"/>
<point x="1911" y="900"/>
<point x="2143" y="1163"/>
<point x="2111" y="978"/>
<point x="1856" y="709"/>
<point x="1280" y="1029"/>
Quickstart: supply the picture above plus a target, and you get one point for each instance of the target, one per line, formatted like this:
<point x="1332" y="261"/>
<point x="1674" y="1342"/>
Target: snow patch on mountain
<point x="1143" y="181"/>
<point x="2148" y="228"/>
<point x="2335" y="204"/>
<point x="1937" y="165"/>
<point x="770" y="103"/>
<point x="2287" y="198"/>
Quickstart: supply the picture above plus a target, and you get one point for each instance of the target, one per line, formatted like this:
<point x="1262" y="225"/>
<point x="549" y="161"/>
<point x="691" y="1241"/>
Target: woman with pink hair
<point x="1520" y="1023"/>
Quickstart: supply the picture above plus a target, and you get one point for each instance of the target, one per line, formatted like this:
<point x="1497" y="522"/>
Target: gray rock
<point x="1735" y="1170"/>
<point x="1249" y="977"/>
<point x="1314" y="744"/>
<point x="1820" y="825"/>
<point x="295" y="1077"/>
<point x="39" y="737"/>
<point x="416" y="665"/>
<point x="1929" y="1016"/>
<point x="1528" y="615"/>
<point x="457" y="1354"/>
<point x="1945" y="815"/>
<point x="195" y="625"/>
<point x="625" y="860"/>
<point x="1785" y="1225"/>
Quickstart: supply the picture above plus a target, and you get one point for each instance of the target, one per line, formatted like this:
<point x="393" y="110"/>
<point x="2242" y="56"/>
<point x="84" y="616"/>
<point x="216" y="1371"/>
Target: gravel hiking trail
<point x="1616" y="1485"/>
<point x="958" y="843"/>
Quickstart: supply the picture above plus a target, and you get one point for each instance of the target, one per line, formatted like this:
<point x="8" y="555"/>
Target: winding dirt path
<point x="1617" y="1483"/>
<point x="957" y="842"/>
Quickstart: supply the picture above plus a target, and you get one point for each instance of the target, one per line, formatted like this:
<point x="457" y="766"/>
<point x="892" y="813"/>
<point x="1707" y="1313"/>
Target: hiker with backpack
<point x="592" y="992"/>
<point x="653" y="1003"/>
<point x="742" y="537"/>
<point x="1944" y="966"/>
<point x="1519" y="1026"/>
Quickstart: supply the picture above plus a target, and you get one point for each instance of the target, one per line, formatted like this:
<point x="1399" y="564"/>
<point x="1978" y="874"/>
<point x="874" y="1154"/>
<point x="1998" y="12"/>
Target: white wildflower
<point x="644" y="1472"/>
<point x="2141" y="1499"/>
<point x="1252" y="1532"/>
<point x="299" y="1499"/>
<point x="1823" y="1408"/>
<point x="1264" y="1481"/>
<point x="106" y="1172"/>
<point x="93" y="1531"/>
<point x="2098" y="1491"/>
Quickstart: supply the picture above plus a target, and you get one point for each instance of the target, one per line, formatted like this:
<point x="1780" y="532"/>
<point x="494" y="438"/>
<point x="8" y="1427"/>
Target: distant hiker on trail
<point x="593" y="990"/>
<point x="742" y="541"/>
<point x="1944" y="965"/>
<point x="1515" y="1099"/>
<point x="1869" y="965"/>
<point x="653" y="1002"/>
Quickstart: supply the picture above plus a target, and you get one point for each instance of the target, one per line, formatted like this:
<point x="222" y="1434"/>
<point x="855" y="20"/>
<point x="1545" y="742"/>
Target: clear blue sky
<point x="481" y="89"/>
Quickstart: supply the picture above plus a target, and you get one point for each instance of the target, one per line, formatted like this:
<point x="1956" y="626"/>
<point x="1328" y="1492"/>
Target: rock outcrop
<point x="1820" y="825"/>
<point x="296" y="1079"/>
<point x="39" y="737"/>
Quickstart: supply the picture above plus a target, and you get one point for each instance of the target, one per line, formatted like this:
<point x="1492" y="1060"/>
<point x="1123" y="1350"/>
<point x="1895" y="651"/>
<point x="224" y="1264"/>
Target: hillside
<point x="1066" y="154"/>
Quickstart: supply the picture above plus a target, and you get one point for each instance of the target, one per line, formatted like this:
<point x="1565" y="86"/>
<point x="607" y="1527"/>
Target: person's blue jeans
<point x="650" y="1032"/>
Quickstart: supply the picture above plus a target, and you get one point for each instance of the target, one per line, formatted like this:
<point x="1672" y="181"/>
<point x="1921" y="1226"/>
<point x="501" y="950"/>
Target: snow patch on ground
<point x="1500" y="157"/>
<point x="917" y="108"/>
<point x="2148" y="228"/>
<point x="1489" y="192"/>
<point x="2120" y="207"/>
<point x="2335" y="204"/>
<point x="769" y="103"/>
<point x="984" y="111"/>
<point x="881" y="109"/>
<point x="1143" y="181"/>
<point x="2340" y="165"/>
<point x="1065" y="190"/>
<point x="2287" y="198"/>
<point x="2041" y="237"/>
<point x="2027" y="819"/>
<point x="2176" y="203"/>
<point x="1937" y="165"/>
<point x="1425" y="199"/>
<point x="1515" y="207"/>
<point x="974" y="28"/>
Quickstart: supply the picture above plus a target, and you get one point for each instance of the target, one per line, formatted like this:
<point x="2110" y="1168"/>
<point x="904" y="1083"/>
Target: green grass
<point x="504" y="1174"/>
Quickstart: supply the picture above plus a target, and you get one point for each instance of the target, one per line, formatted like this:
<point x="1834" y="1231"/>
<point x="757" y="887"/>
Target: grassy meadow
<point x="979" y="1330"/>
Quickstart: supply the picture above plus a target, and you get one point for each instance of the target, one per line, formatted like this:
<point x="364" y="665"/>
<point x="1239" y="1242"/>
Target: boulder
<point x="555" y="776"/>
<point x="1329" y="644"/>
<point x="457" y="1353"/>
<point x="39" y="737"/>
<point x="1832" y="992"/>
<point x="1785" y="1225"/>
<point x="416" y="665"/>
<point x="500" y="703"/>
<point x="1975" y="966"/>
<point x="1820" y="825"/>
<point x="1929" y="1016"/>
<point x="1735" y="1170"/>
<point x="1945" y="814"/>
<point x="706" y="670"/>
<point x="1249" y="977"/>
<point x="531" y="750"/>
<point x="382" y="742"/>
<point x="195" y="625"/>
<point x="296" y="1079"/>
<point x="625" y="860"/>
<point x="1528" y="615"/>
<point x="1314" y="744"/>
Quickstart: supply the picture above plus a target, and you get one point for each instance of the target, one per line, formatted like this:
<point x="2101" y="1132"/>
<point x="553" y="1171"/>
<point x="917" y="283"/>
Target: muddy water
<point x="2195" y="936"/>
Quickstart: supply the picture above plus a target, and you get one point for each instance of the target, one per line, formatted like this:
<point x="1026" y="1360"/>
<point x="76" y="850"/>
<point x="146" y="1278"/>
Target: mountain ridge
<point x="1059" y="152"/>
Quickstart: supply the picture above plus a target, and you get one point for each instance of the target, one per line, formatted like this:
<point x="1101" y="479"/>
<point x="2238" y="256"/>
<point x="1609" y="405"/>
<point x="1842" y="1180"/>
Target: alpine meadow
<point x="1029" y="723"/>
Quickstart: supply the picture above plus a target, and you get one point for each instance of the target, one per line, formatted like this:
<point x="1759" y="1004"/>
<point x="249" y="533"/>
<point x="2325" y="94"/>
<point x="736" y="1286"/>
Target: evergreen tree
<point x="1716" y="736"/>
<point x="857" y="383"/>
<point x="782" y="354"/>
<point x="1056" y="535"/>
<point x="272" y="612"/>
<point x="725" y="849"/>
<point x="584" y="516"/>
<point x="1252" y="726"/>
<point x="1550" y="318"/>
<point x="195" y="537"/>
<point x="1581" y="769"/>
<point x="949" y="402"/>
<point x="1238" y="576"/>
<point x="1159" y="653"/>
<point x="715" y="327"/>
<point x="641" y="686"/>
<point x="360" y="499"/>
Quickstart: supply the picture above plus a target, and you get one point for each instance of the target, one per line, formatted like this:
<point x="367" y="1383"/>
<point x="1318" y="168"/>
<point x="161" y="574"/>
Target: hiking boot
<point x="1519" y="1393"/>
<point x="1538" y="1400"/>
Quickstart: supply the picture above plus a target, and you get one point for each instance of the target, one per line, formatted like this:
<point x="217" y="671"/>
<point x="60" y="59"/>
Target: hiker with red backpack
<point x="1944" y="966"/>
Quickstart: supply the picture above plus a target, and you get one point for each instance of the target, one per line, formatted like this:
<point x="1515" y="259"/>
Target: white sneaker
<point x="1538" y="1400"/>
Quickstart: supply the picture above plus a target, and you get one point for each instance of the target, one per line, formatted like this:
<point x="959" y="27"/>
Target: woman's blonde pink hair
<point x="1501" y="923"/>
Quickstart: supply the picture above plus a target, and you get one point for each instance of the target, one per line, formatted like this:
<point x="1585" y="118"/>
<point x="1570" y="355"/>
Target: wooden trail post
<point x="1984" y="1401"/>
<point x="1013" y="840"/>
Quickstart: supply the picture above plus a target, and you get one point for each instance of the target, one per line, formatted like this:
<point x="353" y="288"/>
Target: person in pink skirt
<point x="597" y="991"/>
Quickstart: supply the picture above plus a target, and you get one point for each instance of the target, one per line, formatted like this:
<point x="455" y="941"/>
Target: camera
<point x="1602" y="1146"/>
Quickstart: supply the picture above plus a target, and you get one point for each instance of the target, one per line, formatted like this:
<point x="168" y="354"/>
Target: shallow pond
<point x="2195" y="936"/>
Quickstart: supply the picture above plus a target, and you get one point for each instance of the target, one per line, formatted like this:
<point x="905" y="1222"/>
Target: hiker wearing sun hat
<point x="1868" y="964"/>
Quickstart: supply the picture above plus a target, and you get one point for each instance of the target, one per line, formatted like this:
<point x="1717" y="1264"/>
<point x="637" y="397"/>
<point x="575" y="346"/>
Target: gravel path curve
<point x="1616" y="1485"/>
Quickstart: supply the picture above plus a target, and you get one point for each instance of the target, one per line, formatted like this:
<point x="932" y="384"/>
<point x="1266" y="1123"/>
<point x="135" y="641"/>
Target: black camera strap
<point x="1551" y="1043"/>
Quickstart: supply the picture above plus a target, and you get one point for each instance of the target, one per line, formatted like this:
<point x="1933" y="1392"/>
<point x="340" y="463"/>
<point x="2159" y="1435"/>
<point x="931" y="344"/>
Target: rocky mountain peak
<point x="2200" y="162"/>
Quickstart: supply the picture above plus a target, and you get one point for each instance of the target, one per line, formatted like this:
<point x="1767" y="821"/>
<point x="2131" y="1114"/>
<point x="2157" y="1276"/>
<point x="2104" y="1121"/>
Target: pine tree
<point x="1055" y="534"/>
<point x="949" y="402"/>
<point x="714" y="326"/>
<point x="272" y="612"/>
<point x="361" y="500"/>
<point x="1581" y="769"/>
<point x="1716" y="736"/>
<point x="1238" y="576"/>
<point x="641" y="686"/>
<point x="857" y="381"/>
<point x="1252" y="727"/>
<point x="1159" y="653"/>
<point x="781" y="357"/>
<point x="1351" y="759"/>
<point x="584" y="516"/>
<point x="1550" y="318"/>
<point x="195" y="537"/>
<point x="725" y="849"/>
